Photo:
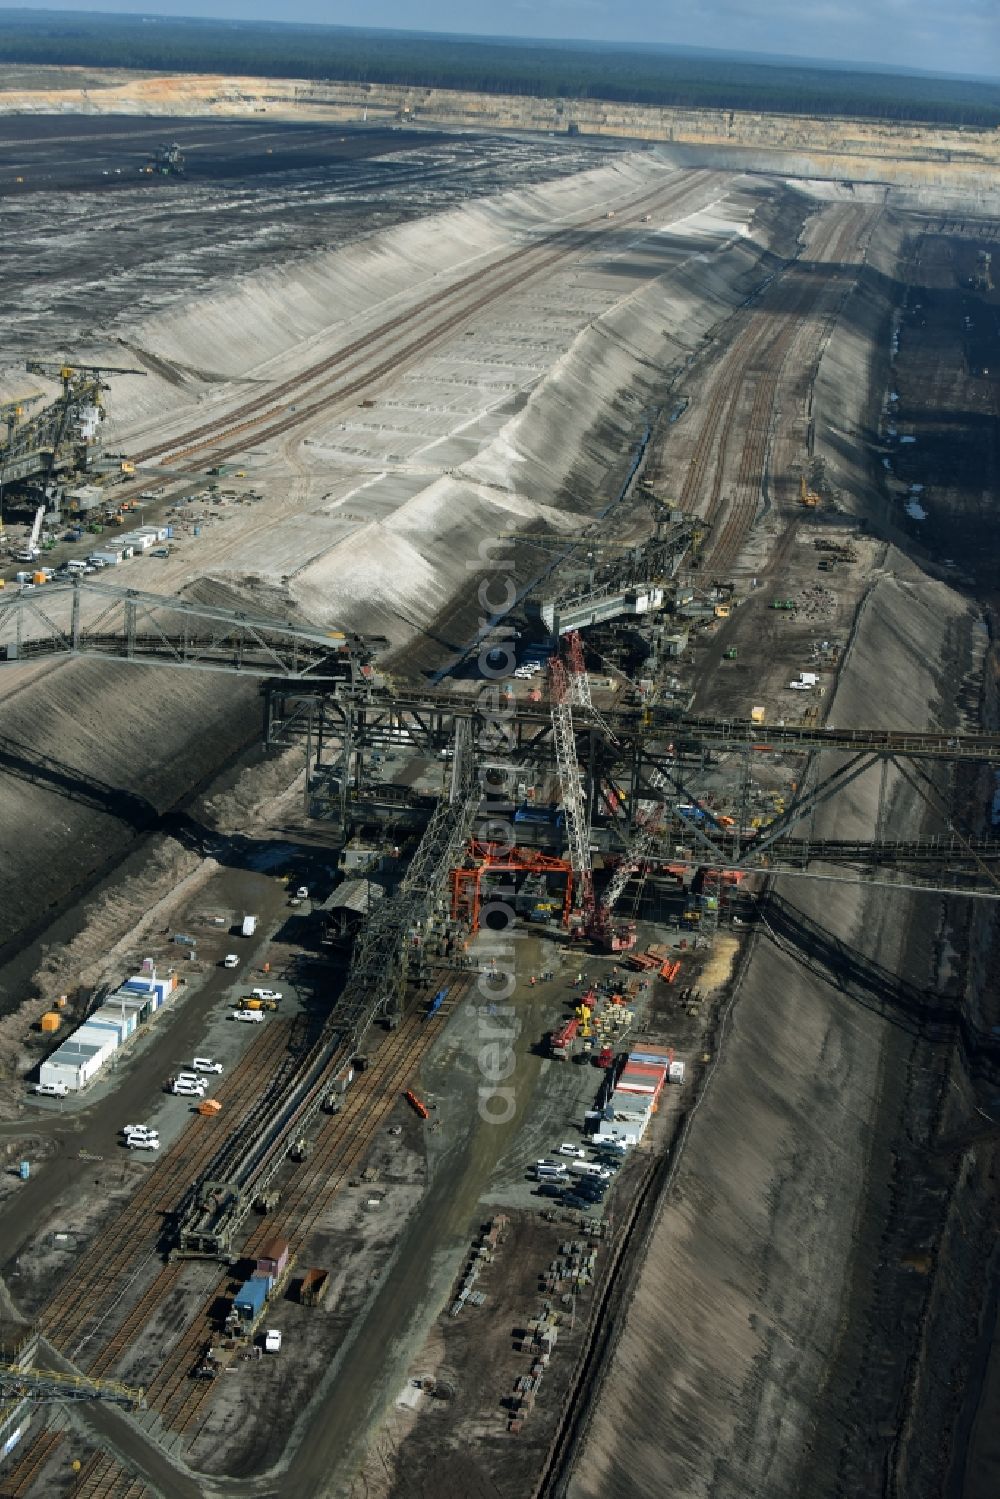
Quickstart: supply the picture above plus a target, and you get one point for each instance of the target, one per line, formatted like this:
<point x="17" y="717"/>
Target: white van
<point x="550" y="1173"/>
<point x="588" y="1168"/>
<point x="52" y="1090"/>
<point x="188" y="1089"/>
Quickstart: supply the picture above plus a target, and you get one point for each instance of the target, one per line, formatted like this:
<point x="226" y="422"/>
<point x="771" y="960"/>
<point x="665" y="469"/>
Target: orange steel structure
<point x="500" y="858"/>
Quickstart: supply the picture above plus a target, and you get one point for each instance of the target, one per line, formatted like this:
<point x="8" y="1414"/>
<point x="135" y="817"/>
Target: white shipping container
<point x="53" y="1071"/>
<point x="95" y="1033"/>
<point x="108" y="1016"/>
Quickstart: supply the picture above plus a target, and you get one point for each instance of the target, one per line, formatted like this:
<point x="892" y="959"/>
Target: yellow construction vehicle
<point x="807" y="496"/>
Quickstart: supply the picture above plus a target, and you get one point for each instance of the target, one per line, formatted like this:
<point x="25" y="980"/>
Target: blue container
<point x="170" y="533"/>
<point x="436" y="1002"/>
<point x="251" y="1298"/>
<point x="24" y="1170"/>
<point x="197" y="530"/>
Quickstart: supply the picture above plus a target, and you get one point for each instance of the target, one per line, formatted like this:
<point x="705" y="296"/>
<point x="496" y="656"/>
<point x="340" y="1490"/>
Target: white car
<point x="205" y="1064"/>
<point x="52" y="1090"/>
<point x="302" y="893"/>
<point x="272" y="1340"/>
<point x="139" y="1132"/>
<point x="231" y="960"/>
<point x="265" y="994"/>
<point x="142" y="1142"/>
<point x="189" y="1087"/>
<point x="254" y="1017"/>
<point x="573" y="1150"/>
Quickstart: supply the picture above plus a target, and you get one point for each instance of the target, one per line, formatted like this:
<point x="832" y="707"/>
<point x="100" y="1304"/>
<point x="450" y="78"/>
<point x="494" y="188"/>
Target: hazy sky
<point x="961" y="36"/>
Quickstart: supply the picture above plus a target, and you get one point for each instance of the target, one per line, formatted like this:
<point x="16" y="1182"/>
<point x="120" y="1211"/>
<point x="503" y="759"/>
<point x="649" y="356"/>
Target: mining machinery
<point x="62" y="435"/>
<point x="47" y="1386"/>
<point x="166" y="161"/>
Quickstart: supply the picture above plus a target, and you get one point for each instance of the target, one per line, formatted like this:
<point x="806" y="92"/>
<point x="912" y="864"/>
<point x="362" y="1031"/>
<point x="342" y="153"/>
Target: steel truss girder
<point x="691" y="735"/>
<point x="50" y="1387"/>
<point x="86" y="618"/>
<point x="628" y="746"/>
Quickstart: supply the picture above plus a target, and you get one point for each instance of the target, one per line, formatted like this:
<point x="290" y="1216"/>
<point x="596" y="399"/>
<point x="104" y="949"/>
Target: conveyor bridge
<point x="87" y="618"/>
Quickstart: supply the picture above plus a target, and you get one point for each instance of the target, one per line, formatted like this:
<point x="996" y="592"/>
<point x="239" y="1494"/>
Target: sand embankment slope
<point x="716" y="1387"/>
<point x="95" y="751"/>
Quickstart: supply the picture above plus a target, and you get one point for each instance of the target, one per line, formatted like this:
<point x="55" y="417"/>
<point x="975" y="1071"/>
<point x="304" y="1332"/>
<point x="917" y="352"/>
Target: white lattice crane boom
<point x="571" y="782"/>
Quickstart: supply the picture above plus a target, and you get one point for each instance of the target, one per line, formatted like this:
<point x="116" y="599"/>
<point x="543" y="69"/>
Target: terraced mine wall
<point x="954" y="160"/>
<point x="815" y="1307"/>
<point x="94" y="755"/>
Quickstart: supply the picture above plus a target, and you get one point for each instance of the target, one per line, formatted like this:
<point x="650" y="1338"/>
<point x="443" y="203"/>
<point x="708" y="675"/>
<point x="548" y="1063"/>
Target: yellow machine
<point x="807" y="496"/>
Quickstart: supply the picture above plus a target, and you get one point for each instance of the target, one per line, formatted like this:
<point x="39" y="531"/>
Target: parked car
<point x="231" y="960"/>
<point x="253" y="1016"/>
<point x="302" y="893"/>
<point x="140" y="1129"/>
<point x="574" y="1200"/>
<point x="205" y="1064"/>
<point x="142" y="1142"/>
<point x="52" y="1090"/>
<point x="573" y="1150"/>
<point x="192" y="1087"/>
<point x="272" y="1340"/>
<point x="266" y="994"/>
<point x="549" y="1189"/>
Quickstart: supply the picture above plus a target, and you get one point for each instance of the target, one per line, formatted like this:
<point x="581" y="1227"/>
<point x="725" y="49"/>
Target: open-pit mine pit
<point x="383" y="382"/>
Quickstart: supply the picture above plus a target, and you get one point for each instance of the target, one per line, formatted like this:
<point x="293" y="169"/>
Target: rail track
<point x="102" y="1478"/>
<point x="343" y="1142"/>
<point x="498" y="278"/>
<point x="17" y="1484"/>
<point x="757" y="355"/>
<point x="82" y="1314"/>
<point x="83" y="1306"/>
